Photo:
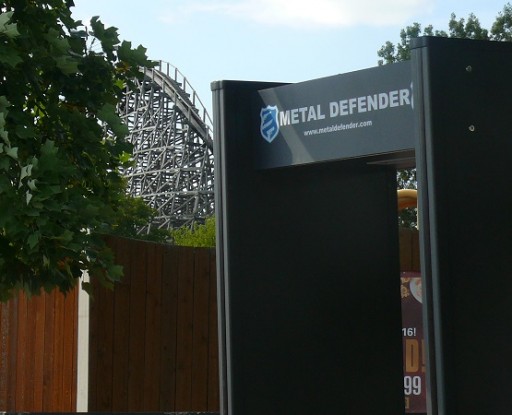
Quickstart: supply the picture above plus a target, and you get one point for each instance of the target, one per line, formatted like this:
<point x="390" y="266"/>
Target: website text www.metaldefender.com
<point x="339" y="127"/>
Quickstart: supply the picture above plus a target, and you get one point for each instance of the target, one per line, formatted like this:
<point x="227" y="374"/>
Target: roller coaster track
<point x="170" y="130"/>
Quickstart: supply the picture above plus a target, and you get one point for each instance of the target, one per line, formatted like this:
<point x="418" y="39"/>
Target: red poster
<point x="413" y="343"/>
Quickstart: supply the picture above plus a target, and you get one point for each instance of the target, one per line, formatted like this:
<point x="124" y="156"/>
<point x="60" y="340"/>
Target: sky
<point x="272" y="40"/>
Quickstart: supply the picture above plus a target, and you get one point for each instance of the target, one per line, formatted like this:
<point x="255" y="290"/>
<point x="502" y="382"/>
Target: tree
<point x="134" y="214"/>
<point x="60" y="180"/>
<point x="198" y="236"/>
<point x="469" y="28"/>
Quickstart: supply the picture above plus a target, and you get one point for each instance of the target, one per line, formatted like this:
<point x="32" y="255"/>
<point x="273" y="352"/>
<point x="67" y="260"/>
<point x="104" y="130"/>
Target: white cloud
<point x="313" y="13"/>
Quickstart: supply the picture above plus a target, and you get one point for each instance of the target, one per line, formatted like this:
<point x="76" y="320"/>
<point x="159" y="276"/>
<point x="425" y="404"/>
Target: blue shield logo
<point x="269" y="127"/>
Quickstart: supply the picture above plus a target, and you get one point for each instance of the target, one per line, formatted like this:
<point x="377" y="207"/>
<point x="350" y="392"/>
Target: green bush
<point x="198" y="236"/>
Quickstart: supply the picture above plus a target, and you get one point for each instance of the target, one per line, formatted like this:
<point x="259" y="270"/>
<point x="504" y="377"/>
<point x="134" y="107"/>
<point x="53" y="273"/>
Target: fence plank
<point x="405" y="249"/>
<point x="58" y="347"/>
<point x="39" y="305"/>
<point x="21" y="351"/>
<point x="70" y="334"/>
<point x="409" y="250"/>
<point x="48" y="378"/>
<point x="213" y="339"/>
<point x="74" y="355"/>
<point x="163" y="315"/>
<point x="138" y="262"/>
<point x="105" y="349"/>
<point x="153" y="331"/>
<point x="30" y="354"/>
<point x="121" y="334"/>
<point x="34" y="365"/>
<point x="4" y="354"/>
<point x="169" y="328"/>
<point x="199" y="393"/>
<point x="12" y="353"/>
<point x="415" y="247"/>
<point x="184" y="338"/>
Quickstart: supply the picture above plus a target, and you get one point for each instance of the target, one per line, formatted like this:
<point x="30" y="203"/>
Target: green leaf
<point x="115" y="272"/>
<point x="12" y="152"/>
<point x="4" y="103"/>
<point x="54" y="38"/>
<point x="66" y="236"/>
<point x="10" y="57"/>
<point x="87" y="287"/>
<point x="107" y="36"/>
<point x="8" y="29"/>
<point x="125" y="51"/>
<point x="125" y="157"/>
<point x="67" y="65"/>
<point x="49" y="148"/>
<point x="5" y="183"/>
<point x="109" y="115"/>
<point x="139" y="54"/>
<point x="25" y="131"/>
<point x="5" y="137"/>
<point x="4" y="163"/>
<point x="5" y="18"/>
<point x="33" y="239"/>
<point x="32" y="184"/>
<point x="25" y="171"/>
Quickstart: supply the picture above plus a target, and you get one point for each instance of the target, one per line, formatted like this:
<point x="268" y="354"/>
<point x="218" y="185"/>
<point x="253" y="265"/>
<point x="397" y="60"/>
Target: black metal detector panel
<point x="464" y="162"/>
<point x="308" y="275"/>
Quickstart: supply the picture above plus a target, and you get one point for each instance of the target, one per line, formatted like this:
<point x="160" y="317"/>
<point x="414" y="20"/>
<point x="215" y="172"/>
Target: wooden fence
<point x="409" y="250"/>
<point x="38" y="341"/>
<point x="153" y="340"/>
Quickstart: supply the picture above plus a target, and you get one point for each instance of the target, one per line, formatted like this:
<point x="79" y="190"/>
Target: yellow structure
<point x="407" y="198"/>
